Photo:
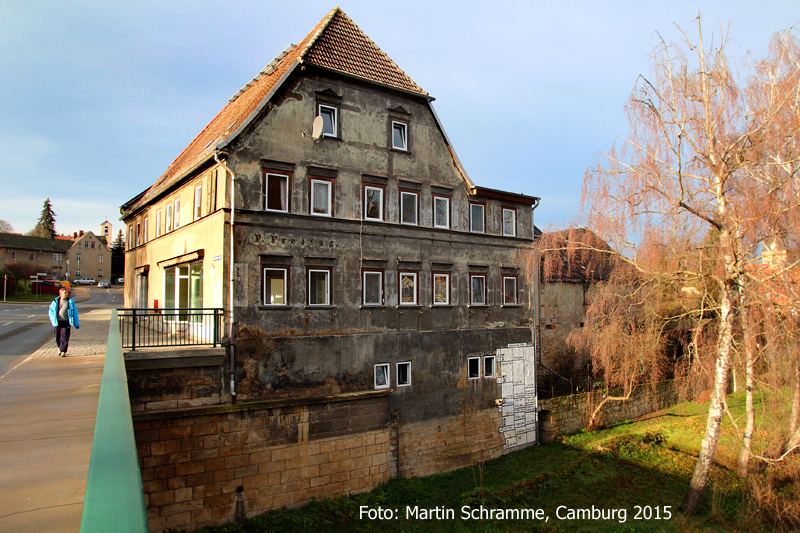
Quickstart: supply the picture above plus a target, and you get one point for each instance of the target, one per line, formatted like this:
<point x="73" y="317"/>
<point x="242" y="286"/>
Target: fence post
<point x="133" y="329"/>
<point x="216" y="327"/>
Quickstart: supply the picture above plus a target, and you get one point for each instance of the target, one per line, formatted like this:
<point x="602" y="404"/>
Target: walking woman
<point x="63" y="314"/>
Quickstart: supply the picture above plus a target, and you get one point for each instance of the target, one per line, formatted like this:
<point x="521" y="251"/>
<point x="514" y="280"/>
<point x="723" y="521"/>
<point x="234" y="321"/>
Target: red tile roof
<point x="335" y="43"/>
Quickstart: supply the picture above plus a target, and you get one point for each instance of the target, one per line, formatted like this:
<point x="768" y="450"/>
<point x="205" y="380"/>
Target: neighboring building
<point x="90" y="255"/>
<point x="373" y="284"/>
<point x="52" y="254"/>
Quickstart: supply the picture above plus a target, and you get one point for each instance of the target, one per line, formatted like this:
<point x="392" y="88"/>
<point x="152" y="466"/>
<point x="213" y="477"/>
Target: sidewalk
<point x="48" y="406"/>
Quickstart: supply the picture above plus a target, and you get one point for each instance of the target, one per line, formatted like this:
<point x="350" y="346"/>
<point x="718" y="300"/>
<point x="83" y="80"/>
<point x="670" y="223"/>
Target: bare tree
<point x="6" y="227"/>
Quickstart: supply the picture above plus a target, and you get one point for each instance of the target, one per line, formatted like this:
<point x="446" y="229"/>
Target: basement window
<point x="382" y="376"/>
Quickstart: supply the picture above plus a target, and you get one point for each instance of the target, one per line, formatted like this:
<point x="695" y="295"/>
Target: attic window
<point x="330" y="125"/>
<point x="399" y="136"/>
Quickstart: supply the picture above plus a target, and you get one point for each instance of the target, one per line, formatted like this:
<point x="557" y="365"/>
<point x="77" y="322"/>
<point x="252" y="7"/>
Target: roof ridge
<point x="326" y="22"/>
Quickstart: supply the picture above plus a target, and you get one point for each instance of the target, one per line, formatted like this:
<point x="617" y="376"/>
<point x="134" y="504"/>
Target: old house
<point x="372" y="288"/>
<point x="49" y="255"/>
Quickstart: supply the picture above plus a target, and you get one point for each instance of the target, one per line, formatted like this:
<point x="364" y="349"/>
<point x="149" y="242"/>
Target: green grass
<point x="646" y="464"/>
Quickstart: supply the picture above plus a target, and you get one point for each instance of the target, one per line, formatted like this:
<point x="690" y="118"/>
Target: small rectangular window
<point x="168" y="227"/>
<point x="146" y="229"/>
<point x="56" y="257"/>
<point x="78" y="257"/>
<point x="13" y="255"/>
<point x="408" y="288"/>
<point x="276" y="191"/>
<point x="330" y="127"/>
<point x="198" y="201"/>
<point x="399" y="136"/>
<point x="477" y="290"/>
<point x="138" y="234"/>
<point x="488" y="366"/>
<point x="441" y="288"/>
<point x="100" y="273"/>
<point x="93" y="243"/>
<point x="100" y="258"/>
<point x="509" y="290"/>
<point x="78" y="272"/>
<point x="372" y="288"/>
<point x="441" y="212"/>
<point x="477" y="220"/>
<point x="408" y="208"/>
<point x="404" y="374"/>
<point x="319" y="287"/>
<point x="382" y="376"/>
<point x="509" y="222"/>
<point x="373" y="203"/>
<point x="321" y="197"/>
<point x="31" y="256"/>
<point x="274" y="286"/>
<point x="177" y="214"/>
<point x="158" y="223"/>
<point x="473" y="367"/>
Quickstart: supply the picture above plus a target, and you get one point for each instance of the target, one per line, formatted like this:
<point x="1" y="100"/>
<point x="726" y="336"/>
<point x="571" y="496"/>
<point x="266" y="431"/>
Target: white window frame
<point x="284" y="192"/>
<point x="168" y="226"/>
<point x="403" y="128"/>
<point x="514" y="279"/>
<point x="446" y="201"/>
<point x="400" y="276"/>
<point x="100" y="258"/>
<point x="513" y="212"/>
<point x="477" y="361"/>
<point x="327" y="273"/>
<point x="198" y="202"/>
<point x="99" y="272"/>
<point x="329" y="208"/>
<point x="446" y="277"/>
<point x="472" y="299"/>
<point x="334" y="119"/>
<point x="472" y="228"/>
<point x="78" y="257"/>
<point x="130" y="238"/>
<point x="380" y="190"/>
<point x="146" y="227"/>
<point x="264" y="296"/>
<point x="138" y="234"/>
<point x="489" y="359"/>
<point x="364" y="275"/>
<point x="78" y="272"/>
<point x="407" y="383"/>
<point x="158" y="223"/>
<point x="176" y="215"/>
<point x="56" y="257"/>
<point x="415" y="197"/>
<point x="386" y="373"/>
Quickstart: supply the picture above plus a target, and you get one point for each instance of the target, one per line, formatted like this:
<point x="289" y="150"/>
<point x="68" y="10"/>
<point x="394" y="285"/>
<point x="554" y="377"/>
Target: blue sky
<point x="97" y="98"/>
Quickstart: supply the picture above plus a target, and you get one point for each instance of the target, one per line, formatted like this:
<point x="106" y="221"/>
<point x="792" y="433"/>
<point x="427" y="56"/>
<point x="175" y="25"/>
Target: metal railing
<point x="145" y="328"/>
<point x="114" y="499"/>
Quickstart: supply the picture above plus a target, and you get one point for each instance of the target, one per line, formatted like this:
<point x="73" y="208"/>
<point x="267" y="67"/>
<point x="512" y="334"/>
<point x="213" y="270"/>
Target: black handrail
<point x="183" y="326"/>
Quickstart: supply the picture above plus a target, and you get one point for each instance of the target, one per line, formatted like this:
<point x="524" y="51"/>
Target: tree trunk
<point x="715" y="411"/>
<point x="794" y="421"/>
<point x="749" y="357"/>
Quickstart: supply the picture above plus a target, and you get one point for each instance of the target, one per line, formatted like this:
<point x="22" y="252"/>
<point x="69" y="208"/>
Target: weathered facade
<point x="364" y="260"/>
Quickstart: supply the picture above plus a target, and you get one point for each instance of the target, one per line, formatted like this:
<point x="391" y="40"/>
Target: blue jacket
<point x="72" y="309"/>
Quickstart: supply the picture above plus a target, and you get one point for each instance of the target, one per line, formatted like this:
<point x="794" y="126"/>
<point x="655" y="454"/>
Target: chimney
<point x="75" y="235"/>
<point x="81" y="233"/>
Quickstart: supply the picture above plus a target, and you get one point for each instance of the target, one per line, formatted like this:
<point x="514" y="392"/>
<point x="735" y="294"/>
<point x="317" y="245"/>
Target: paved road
<point x="25" y="327"/>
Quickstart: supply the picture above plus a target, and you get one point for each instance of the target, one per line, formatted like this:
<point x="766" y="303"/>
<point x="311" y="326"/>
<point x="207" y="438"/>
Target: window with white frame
<point x="176" y="222"/>
<point x="441" y="288"/>
<point x="275" y="286"/>
<point x="56" y="257"/>
<point x="372" y="284"/>
<point x="92" y="245"/>
<point x="509" y="222"/>
<point x="473" y="367"/>
<point x="404" y="374"/>
<point x="477" y="219"/>
<point x="373" y="203"/>
<point x="330" y="123"/>
<point x="198" y="201"/>
<point x="158" y="223"/>
<point x="276" y="192"/>
<point x="382" y="376"/>
<point x="477" y="289"/>
<point x="488" y="366"/>
<point x="168" y="227"/>
<point x="99" y="272"/>
<point x="509" y="290"/>
<point x="78" y="272"/>
<point x="441" y="212"/>
<point x="138" y="234"/>
<point x="408" y="208"/>
<point x="130" y="237"/>
<point x="100" y="258"/>
<point x="399" y="136"/>
<point x="146" y="226"/>
<point x="408" y="288"/>
<point x="319" y="287"/>
<point x="78" y="257"/>
<point x="321" y="197"/>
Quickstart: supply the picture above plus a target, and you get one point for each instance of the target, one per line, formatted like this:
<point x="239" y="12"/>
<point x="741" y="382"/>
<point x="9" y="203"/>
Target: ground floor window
<point x="274" y="286"/>
<point x="183" y="287"/>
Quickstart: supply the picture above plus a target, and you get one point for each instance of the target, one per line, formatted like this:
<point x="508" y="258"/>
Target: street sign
<point x="41" y="274"/>
<point x="35" y="277"/>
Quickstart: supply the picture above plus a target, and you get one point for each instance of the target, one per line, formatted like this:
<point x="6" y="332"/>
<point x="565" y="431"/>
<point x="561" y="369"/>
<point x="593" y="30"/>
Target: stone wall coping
<point x="255" y="405"/>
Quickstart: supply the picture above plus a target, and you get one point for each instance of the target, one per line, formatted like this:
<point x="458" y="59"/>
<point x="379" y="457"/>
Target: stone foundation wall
<point x="443" y="445"/>
<point x="210" y="466"/>
<point x="570" y="414"/>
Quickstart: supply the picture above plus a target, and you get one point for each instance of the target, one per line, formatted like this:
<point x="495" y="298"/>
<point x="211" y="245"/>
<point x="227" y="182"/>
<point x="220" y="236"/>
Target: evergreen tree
<point x="118" y="256"/>
<point x="46" y="227"/>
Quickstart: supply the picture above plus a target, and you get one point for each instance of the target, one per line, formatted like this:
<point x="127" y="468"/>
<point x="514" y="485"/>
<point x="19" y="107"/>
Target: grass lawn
<point x="638" y="471"/>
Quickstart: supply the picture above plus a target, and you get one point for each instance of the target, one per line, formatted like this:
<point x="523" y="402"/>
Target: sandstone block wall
<point x="211" y="466"/>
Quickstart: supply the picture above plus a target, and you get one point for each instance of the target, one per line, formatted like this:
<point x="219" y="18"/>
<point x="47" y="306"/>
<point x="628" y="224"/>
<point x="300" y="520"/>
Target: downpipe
<point x="231" y="278"/>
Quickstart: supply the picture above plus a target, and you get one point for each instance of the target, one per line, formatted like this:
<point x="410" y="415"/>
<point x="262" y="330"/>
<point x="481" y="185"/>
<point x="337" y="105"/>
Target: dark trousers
<point x="61" y="332"/>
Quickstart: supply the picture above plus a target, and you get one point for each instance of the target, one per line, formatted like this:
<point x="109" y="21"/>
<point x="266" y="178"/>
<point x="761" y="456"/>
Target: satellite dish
<point x="316" y="128"/>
